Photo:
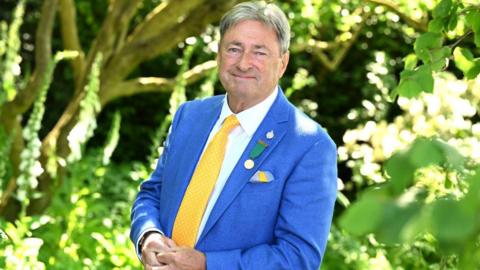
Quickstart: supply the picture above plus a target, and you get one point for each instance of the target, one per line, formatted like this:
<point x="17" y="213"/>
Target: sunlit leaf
<point x="466" y="62"/>
<point x="413" y="82"/>
<point x="426" y="43"/>
<point x="411" y="61"/>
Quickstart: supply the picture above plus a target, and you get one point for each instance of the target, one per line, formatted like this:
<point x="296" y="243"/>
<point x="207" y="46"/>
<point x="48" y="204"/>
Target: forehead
<point x="250" y="32"/>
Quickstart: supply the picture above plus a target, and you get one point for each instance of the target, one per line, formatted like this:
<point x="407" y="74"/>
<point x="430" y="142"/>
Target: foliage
<point x="430" y="188"/>
<point x="30" y="168"/>
<point x="87" y="224"/>
<point x="452" y="19"/>
<point x="89" y="108"/>
<point x="408" y="168"/>
<point x="9" y="56"/>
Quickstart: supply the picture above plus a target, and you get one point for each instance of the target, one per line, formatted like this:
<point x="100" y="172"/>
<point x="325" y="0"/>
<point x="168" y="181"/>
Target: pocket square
<point x="262" y="177"/>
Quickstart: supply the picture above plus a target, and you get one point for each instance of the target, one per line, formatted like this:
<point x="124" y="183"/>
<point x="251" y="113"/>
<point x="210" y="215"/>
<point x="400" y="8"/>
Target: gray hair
<point x="269" y="14"/>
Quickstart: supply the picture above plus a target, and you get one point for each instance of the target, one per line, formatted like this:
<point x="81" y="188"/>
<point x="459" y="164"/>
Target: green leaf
<point x="451" y="156"/>
<point x="437" y="25"/>
<point x="471" y="200"/>
<point x="440" y="58"/>
<point x="413" y="82"/>
<point x="424" y="153"/>
<point x="365" y="215"/>
<point x="426" y="43"/>
<point x="411" y="61"/>
<point x="395" y="222"/>
<point x="473" y="20"/>
<point x="453" y="21"/>
<point x="400" y="170"/>
<point x="442" y="9"/>
<point x="450" y="222"/>
<point x="466" y="62"/>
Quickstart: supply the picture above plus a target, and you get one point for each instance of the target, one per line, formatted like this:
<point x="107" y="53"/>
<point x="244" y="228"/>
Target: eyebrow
<point x="256" y="46"/>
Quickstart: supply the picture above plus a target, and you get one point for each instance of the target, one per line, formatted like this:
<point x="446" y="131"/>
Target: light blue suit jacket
<point x="282" y="224"/>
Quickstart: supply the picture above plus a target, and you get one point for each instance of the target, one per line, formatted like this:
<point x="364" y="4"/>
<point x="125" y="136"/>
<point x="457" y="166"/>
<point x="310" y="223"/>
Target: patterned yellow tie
<point x="187" y="222"/>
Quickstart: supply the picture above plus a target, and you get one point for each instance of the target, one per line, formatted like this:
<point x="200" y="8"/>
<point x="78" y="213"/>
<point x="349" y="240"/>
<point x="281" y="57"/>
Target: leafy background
<point x="395" y="83"/>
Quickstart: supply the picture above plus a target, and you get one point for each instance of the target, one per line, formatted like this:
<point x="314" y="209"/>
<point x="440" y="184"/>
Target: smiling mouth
<point x="245" y="77"/>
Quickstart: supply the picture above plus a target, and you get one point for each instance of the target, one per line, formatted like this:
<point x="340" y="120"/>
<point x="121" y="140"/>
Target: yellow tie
<point x="187" y="222"/>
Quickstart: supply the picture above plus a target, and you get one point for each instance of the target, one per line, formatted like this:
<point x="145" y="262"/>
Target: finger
<point x="161" y="267"/>
<point x="149" y="258"/>
<point x="169" y="242"/>
<point x="165" y="257"/>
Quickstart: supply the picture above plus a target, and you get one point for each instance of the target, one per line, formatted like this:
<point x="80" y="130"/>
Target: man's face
<point x="250" y="63"/>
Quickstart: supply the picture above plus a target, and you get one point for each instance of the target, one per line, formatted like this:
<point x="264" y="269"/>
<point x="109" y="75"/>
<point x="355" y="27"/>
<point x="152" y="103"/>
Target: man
<point x="245" y="181"/>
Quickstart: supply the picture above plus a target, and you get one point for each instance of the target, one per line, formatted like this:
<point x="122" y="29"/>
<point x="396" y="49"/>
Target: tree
<point x="122" y="47"/>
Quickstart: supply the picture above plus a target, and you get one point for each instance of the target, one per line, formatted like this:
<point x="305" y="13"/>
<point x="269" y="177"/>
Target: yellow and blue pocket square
<point x="262" y="177"/>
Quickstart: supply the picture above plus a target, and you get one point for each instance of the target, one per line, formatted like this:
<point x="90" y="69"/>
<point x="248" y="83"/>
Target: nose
<point x="244" y="62"/>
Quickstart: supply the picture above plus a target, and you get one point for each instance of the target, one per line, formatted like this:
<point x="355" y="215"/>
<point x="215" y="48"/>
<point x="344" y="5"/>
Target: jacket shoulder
<point x="308" y="130"/>
<point x="204" y="103"/>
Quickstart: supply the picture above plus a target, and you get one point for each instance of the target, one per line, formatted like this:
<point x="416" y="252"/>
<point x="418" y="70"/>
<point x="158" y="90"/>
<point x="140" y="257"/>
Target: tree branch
<point x="135" y="53"/>
<point x="421" y="26"/>
<point x="110" y="37"/>
<point x="70" y="38"/>
<point x="155" y="84"/>
<point x="161" y="18"/>
<point x="341" y="48"/>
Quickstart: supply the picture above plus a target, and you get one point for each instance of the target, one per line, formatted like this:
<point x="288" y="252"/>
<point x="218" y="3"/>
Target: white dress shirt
<point x="238" y="140"/>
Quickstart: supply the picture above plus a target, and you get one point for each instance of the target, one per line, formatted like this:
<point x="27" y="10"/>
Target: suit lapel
<point x="192" y="143"/>
<point x="276" y="120"/>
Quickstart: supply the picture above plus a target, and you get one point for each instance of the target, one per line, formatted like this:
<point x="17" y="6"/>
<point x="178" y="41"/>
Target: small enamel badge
<point x="258" y="149"/>
<point x="270" y="135"/>
<point x="249" y="164"/>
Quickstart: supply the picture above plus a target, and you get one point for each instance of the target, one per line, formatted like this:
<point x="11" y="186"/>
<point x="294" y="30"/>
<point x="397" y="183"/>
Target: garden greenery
<point x="409" y="137"/>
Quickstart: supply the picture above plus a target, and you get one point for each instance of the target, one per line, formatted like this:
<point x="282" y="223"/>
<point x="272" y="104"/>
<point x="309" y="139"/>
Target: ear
<point x="283" y="63"/>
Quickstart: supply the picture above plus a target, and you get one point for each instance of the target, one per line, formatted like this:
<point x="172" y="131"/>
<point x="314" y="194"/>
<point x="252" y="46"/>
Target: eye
<point x="260" y="53"/>
<point x="233" y="50"/>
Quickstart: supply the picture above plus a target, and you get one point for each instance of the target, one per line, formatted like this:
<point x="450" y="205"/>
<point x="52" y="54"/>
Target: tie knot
<point x="230" y="123"/>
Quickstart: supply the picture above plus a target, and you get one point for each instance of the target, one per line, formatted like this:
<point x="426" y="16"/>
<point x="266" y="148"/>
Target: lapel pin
<point x="258" y="149"/>
<point x="270" y="135"/>
<point x="249" y="164"/>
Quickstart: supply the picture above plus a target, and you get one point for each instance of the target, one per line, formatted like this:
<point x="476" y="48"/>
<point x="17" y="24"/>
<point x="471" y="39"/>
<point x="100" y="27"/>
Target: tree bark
<point x="70" y="38"/>
<point x="155" y="84"/>
<point x="121" y="56"/>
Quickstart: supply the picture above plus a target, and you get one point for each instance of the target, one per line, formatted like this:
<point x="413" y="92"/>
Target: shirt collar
<point x="250" y="118"/>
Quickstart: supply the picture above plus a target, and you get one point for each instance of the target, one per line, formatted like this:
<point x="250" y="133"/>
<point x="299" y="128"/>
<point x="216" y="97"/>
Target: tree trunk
<point x="122" y="54"/>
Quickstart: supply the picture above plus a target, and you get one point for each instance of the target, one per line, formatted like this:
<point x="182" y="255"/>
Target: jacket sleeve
<point x="303" y="222"/>
<point x="146" y="207"/>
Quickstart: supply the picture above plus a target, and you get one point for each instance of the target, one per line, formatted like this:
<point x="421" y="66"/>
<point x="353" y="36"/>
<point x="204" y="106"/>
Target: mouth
<point x="243" y="77"/>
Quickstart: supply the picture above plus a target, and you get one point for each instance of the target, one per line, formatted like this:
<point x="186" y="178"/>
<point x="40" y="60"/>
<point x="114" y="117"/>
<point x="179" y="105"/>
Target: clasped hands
<point x="162" y="253"/>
